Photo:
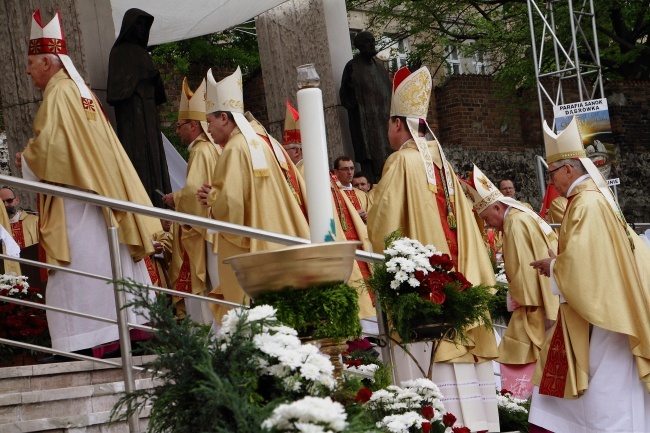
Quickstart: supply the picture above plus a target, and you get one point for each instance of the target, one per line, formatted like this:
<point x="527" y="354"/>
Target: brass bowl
<point x="298" y="266"/>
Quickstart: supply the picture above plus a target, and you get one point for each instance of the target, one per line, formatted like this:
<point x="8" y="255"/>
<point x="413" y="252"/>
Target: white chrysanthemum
<point x="395" y="284"/>
<point x="401" y="276"/>
<point x="413" y="282"/>
<point x="401" y="423"/>
<point x="316" y="411"/>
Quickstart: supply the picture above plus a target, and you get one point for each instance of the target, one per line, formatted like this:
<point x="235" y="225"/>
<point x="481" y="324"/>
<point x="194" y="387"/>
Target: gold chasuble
<point x="403" y="200"/>
<point x="265" y="202"/>
<point x="615" y="297"/>
<point x="192" y="240"/>
<point x="59" y="154"/>
<point x="523" y="243"/>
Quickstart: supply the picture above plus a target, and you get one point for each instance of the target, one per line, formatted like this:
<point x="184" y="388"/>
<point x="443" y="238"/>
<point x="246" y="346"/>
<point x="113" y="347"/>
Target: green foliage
<point x="331" y="311"/>
<point x="498" y="304"/>
<point x="382" y="376"/>
<point x="513" y="420"/>
<point x="228" y="49"/>
<point x="499" y="31"/>
<point x="407" y="311"/>
<point x="200" y="388"/>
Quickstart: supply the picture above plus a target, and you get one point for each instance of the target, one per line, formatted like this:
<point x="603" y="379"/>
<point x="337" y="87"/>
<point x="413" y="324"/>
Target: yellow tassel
<point x="451" y="221"/>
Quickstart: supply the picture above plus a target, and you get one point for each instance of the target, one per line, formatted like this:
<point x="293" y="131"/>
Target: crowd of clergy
<point x="578" y="341"/>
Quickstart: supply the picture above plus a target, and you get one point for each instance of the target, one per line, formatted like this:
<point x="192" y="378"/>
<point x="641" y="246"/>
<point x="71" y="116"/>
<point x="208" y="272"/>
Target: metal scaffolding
<point x="559" y="57"/>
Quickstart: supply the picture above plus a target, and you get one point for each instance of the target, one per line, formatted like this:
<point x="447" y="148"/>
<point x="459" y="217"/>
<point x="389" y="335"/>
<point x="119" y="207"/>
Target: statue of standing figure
<point x="365" y="92"/>
<point x="135" y="89"/>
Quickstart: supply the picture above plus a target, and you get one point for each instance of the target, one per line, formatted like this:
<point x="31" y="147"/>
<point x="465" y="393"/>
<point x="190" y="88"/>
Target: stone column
<point x="89" y="33"/>
<point x="299" y="32"/>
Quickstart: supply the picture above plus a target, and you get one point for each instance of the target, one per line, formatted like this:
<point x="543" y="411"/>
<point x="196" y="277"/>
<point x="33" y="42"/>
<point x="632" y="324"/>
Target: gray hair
<point x="575" y="163"/>
<point x="54" y="59"/>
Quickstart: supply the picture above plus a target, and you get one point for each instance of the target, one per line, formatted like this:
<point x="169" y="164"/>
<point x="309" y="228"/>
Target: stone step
<point x="62" y="375"/>
<point x="83" y="423"/>
<point x="70" y="397"/>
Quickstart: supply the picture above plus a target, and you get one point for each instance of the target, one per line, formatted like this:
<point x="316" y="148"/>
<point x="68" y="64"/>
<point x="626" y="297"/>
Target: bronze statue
<point x="365" y="92"/>
<point x="135" y="89"/>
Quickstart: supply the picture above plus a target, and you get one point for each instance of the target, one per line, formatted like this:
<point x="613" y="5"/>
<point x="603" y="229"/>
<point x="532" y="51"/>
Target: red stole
<point x="353" y="198"/>
<point x="184" y="282"/>
<point x="17" y="233"/>
<point x="554" y="375"/>
<point x="290" y="177"/>
<point x="343" y="213"/>
<point x="450" y="235"/>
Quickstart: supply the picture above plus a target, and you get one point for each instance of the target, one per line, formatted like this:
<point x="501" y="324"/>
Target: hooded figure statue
<point x="135" y="89"/>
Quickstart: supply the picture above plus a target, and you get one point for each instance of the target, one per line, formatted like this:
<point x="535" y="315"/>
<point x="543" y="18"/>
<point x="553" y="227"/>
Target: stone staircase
<point x="71" y="397"/>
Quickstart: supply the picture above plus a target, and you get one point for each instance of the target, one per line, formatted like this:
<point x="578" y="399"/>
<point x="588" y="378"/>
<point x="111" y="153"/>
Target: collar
<point x="347" y="188"/>
<point x="15" y="218"/>
<point x="576" y="182"/>
<point x="405" y="143"/>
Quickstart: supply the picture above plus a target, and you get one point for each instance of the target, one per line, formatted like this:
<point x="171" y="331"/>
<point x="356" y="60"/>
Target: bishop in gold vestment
<point x="534" y="308"/>
<point x="75" y="146"/>
<point x="594" y="371"/>
<point x="255" y="184"/>
<point x="420" y="194"/>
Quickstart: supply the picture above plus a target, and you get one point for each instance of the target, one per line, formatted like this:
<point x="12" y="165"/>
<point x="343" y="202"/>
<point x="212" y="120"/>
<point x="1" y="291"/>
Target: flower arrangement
<point x="254" y="376"/>
<point x="513" y="412"/>
<point x="417" y="285"/>
<point x="416" y="406"/>
<point x="18" y="322"/>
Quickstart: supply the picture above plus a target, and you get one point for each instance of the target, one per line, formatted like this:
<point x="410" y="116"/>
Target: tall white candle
<point x="314" y="151"/>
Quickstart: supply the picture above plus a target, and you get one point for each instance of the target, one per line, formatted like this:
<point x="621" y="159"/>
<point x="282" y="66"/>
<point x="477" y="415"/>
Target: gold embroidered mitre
<point x="481" y="190"/>
<point x="192" y="105"/>
<point x="49" y="39"/>
<point x="225" y="95"/>
<point x="291" y="135"/>
<point x="565" y="145"/>
<point x="411" y="93"/>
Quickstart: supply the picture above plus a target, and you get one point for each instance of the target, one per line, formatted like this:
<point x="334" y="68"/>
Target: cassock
<point x="402" y="200"/>
<point x="195" y="246"/>
<point x="84" y="153"/>
<point x="594" y="370"/>
<point x="536" y="306"/>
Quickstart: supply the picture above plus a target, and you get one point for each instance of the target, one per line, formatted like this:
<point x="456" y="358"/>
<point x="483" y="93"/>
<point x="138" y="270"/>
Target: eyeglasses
<point x="178" y="125"/>
<point x="550" y="173"/>
<point x="9" y="200"/>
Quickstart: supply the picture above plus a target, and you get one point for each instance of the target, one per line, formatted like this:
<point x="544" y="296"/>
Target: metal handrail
<point x="122" y="323"/>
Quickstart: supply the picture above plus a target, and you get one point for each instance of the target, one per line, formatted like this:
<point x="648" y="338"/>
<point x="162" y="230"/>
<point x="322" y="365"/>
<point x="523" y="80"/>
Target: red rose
<point x="461" y="430"/>
<point x="363" y="395"/>
<point x="441" y="260"/>
<point x="426" y="427"/>
<point x="448" y="419"/>
<point x="353" y="362"/>
<point x="505" y="392"/>
<point x="419" y="275"/>
<point x="428" y="412"/>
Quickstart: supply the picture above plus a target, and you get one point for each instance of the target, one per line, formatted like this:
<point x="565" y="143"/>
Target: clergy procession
<point x="576" y="347"/>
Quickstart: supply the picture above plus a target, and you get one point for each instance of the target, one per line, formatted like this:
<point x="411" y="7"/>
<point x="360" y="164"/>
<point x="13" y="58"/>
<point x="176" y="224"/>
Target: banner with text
<point x="595" y="130"/>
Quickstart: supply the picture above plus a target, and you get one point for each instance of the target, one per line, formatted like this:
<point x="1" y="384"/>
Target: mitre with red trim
<point x="49" y="39"/>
